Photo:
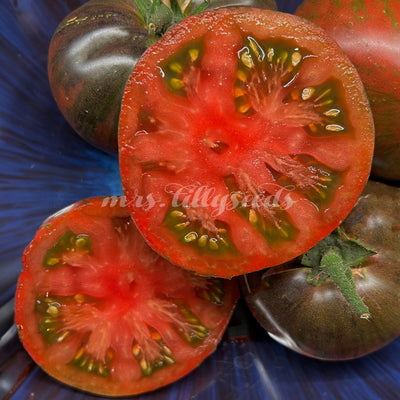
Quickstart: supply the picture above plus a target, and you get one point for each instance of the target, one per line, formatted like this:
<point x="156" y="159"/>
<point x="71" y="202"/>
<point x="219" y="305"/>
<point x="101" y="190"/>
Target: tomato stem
<point x="332" y="264"/>
<point x="334" y="258"/>
<point x="159" y="15"/>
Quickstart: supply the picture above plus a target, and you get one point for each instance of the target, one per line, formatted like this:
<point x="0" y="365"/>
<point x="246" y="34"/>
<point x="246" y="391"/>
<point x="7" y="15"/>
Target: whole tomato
<point x="368" y="31"/>
<point x="306" y="312"/>
<point x="94" y="50"/>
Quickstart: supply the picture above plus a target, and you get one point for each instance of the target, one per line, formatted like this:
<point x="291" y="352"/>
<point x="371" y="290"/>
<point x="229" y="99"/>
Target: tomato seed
<point x="212" y="244"/>
<point x="253" y="217"/>
<point x="307" y="93"/>
<point x="176" y="67"/>
<point x="52" y="310"/>
<point x="194" y="54"/>
<point x="190" y="237"/>
<point x="202" y="240"/>
<point x="334" y="127"/>
<point x="176" y="214"/>
<point x="296" y="58"/>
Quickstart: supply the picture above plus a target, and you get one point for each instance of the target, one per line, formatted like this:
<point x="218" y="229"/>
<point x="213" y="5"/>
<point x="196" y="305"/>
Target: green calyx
<point x="159" y="15"/>
<point x="333" y="258"/>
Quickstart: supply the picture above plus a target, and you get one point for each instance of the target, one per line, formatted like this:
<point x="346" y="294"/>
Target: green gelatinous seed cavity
<point x="264" y="67"/>
<point x="192" y="330"/>
<point x="320" y="184"/>
<point x="84" y="361"/>
<point x="50" y="313"/>
<point x="266" y="216"/>
<point x="192" y="233"/>
<point x="50" y="320"/>
<point x="326" y="101"/>
<point x="180" y="70"/>
<point x="212" y="291"/>
<point x="68" y="242"/>
<point x="162" y="355"/>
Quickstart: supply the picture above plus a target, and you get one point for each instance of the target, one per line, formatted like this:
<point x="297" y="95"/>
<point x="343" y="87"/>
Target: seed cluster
<point x="163" y="354"/>
<point x="265" y="74"/>
<point x="67" y="243"/>
<point x="263" y="70"/>
<point x="180" y="71"/>
<point x="269" y="218"/>
<point x="85" y="361"/>
<point x="191" y="230"/>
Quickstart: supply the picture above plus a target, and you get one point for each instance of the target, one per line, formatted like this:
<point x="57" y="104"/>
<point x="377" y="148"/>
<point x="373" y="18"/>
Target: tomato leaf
<point x="176" y="11"/>
<point x="352" y="252"/>
<point x="200" y="8"/>
<point x="144" y="7"/>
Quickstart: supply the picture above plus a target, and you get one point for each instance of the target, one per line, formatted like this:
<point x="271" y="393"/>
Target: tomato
<point x="92" y="54"/>
<point x="97" y="309"/>
<point x="318" y="321"/>
<point x="368" y="31"/>
<point x="240" y="146"/>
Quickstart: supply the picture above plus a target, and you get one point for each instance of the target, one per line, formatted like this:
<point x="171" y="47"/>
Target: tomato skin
<point x="91" y="56"/>
<point x="89" y="306"/>
<point x="145" y="150"/>
<point x="369" y="34"/>
<point x="317" y="321"/>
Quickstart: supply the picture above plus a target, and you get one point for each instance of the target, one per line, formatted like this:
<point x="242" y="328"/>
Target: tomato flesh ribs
<point x="245" y="137"/>
<point x="99" y="310"/>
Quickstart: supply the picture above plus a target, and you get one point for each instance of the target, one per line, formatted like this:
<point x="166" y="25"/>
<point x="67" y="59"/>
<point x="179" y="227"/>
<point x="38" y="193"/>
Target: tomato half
<point x="245" y="137"/>
<point x="97" y="309"/>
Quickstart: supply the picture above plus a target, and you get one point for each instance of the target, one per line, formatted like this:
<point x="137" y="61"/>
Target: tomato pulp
<point x="99" y="310"/>
<point x="245" y="137"/>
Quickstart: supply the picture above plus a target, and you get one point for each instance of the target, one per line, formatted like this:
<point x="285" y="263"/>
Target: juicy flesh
<point x="271" y="142"/>
<point x="113" y="306"/>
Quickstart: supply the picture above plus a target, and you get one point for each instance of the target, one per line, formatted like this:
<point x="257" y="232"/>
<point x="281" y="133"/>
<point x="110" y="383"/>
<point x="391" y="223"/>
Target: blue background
<point x="45" y="166"/>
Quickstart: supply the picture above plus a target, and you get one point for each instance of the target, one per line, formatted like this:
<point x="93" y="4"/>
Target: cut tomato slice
<point x="245" y="138"/>
<point x="99" y="310"/>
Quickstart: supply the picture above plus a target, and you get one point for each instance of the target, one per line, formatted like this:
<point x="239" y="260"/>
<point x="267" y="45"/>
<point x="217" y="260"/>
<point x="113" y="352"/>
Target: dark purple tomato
<point x="317" y="320"/>
<point x="93" y="52"/>
<point x="91" y="55"/>
<point x="369" y="33"/>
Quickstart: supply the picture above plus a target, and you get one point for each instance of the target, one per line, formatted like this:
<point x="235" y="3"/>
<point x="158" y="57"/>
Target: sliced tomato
<point x="245" y="138"/>
<point x="97" y="309"/>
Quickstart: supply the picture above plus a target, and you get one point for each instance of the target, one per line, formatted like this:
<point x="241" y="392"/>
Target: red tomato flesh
<point x="245" y="137"/>
<point x="97" y="309"/>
